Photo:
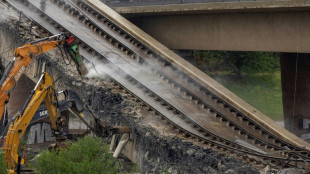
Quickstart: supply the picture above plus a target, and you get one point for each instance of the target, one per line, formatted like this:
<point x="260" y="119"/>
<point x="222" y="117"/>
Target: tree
<point x="237" y="62"/>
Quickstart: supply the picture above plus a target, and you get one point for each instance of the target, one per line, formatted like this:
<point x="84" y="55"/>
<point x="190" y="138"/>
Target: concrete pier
<point x="295" y="75"/>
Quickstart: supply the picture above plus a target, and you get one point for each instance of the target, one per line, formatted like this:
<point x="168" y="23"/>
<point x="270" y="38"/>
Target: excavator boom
<point x="44" y="90"/>
<point x="22" y="59"/>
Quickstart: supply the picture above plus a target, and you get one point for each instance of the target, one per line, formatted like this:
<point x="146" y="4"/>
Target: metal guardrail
<point x="124" y="3"/>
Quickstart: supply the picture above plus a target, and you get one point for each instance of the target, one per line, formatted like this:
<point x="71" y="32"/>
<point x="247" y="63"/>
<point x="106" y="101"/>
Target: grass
<point x="259" y="90"/>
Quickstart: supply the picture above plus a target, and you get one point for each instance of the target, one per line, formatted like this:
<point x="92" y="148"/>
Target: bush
<point x="88" y="155"/>
<point x="2" y="163"/>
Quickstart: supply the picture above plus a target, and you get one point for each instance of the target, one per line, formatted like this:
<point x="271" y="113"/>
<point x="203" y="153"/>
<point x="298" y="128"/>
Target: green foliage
<point x="2" y="163"/>
<point x="88" y="155"/>
<point x="260" y="84"/>
<point x="165" y="170"/>
<point x="134" y="168"/>
<point x="237" y="62"/>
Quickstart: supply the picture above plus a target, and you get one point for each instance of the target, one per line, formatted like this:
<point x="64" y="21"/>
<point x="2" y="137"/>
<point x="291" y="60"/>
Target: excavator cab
<point x="67" y="99"/>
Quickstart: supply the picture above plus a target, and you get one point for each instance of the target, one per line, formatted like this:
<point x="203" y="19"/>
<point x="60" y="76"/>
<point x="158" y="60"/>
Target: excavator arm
<point x="44" y="90"/>
<point x="22" y="59"/>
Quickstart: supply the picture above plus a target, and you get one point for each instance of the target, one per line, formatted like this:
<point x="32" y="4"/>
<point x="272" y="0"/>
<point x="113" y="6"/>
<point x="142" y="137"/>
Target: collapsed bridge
<point x="187" y="99"/>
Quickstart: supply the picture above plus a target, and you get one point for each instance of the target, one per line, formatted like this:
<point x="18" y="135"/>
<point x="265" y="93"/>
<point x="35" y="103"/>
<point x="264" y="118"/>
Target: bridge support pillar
<point x="295" y="77"/>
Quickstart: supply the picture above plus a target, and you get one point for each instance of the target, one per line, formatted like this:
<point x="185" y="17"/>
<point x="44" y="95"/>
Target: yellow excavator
<point x="43" y="91"/>
<point x="22" y="59"/>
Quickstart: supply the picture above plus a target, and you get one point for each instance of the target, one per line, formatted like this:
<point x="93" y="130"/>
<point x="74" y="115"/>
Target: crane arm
<point x="44" y="90"/>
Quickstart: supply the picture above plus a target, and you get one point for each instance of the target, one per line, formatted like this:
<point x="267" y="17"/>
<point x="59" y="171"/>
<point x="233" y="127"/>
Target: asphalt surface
<point x="127" y="3"/>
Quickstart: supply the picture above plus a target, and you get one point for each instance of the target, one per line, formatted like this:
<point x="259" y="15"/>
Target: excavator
<point x="23" y="56"/>
<point x="43" y="91"/>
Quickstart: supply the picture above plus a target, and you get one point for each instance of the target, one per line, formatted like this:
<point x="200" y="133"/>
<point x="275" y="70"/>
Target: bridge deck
<point x="198" y="75"/>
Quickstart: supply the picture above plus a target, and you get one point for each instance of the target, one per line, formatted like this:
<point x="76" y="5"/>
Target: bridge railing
<point x="124" y="3"/>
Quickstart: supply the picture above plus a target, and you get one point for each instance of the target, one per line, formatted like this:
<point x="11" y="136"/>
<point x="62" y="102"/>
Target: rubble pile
<point x="157" y="152"/>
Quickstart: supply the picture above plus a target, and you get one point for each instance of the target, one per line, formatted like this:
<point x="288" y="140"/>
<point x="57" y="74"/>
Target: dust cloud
<point x="95" y="69"/>
<point x="6" y="14"/>
<point x="99" y="69"/>
<point x="124" y="66"/>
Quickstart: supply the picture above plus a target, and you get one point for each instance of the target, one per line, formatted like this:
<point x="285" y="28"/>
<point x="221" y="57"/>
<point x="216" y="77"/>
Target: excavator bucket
<point x="72" y="49"/>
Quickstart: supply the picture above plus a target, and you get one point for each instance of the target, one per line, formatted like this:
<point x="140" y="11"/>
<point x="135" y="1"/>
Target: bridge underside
<point x="279" y="31"/>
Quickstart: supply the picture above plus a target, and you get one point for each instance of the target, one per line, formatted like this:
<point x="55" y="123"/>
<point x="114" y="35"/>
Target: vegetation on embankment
<point x="2" y="163"/>
<point x="253" y="76"/>
<point x="87" y="155"/>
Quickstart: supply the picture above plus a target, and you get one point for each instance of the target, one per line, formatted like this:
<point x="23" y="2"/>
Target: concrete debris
<point x="146" y="156"/>
<point x="190" y="151"/>
<point x="264" y="170"/>
<point x="172" y="171"/>
<point x="292" y="171"/>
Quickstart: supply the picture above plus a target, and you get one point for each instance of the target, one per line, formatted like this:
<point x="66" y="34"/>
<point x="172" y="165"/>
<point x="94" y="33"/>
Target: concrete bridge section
<point x="277" y="26"/>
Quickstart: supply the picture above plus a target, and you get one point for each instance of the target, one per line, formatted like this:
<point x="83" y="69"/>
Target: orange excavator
<point x="23" y="56"/>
